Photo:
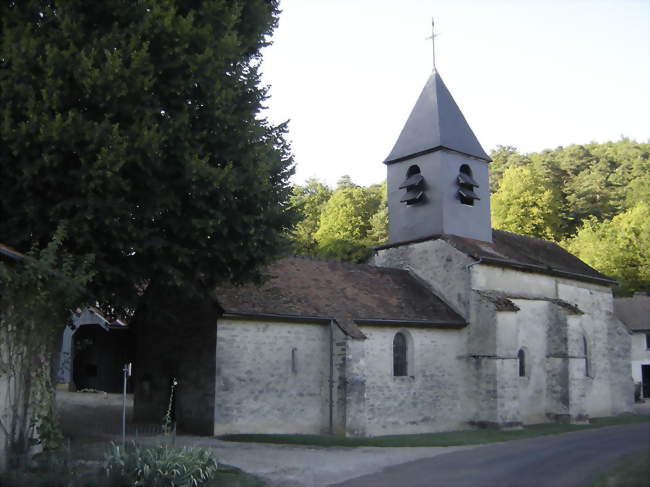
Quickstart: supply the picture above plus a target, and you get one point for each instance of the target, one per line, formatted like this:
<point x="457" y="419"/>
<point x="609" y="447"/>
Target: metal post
<point x="127" y="373"/>
<point x="331" y="380"/>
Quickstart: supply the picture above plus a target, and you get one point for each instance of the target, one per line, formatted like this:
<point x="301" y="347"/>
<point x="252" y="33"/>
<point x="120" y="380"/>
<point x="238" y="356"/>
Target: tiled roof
<point x="528" y="253"/>
<point x="307" y="289"/>
<point x="521" y="252"/>
<point x="634" y="312"/>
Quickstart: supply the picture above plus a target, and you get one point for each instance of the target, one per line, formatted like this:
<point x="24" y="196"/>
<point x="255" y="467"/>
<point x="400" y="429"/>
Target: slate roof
<point x="634" y="312"/>
<point x="521" y="252"/>
<point x="435" y="122"/>
<point x="304" y="289"/>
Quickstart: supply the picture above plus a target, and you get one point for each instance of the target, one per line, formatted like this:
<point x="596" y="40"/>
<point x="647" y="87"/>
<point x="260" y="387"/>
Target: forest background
<point x="593" y="200"/>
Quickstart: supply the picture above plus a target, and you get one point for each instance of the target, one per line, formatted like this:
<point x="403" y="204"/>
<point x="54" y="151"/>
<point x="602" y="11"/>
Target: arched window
<point x="400" y="356"/>
<point x="413" y="184"/>
<point x="521" y="357"/>
<point x="466" y="185"/>
<point x="585" y="349"/>
<point x="294" y="360"/>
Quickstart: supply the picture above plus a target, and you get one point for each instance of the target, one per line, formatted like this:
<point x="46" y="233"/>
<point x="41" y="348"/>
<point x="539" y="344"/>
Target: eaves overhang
<point x="412" y="323"/>
<point x="434" y="149"/>
<point x="278" y="317"/>
<point x="351" y="331"/>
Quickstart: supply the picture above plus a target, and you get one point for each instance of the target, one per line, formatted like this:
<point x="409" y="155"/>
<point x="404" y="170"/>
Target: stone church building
<point x="451" y="325"/>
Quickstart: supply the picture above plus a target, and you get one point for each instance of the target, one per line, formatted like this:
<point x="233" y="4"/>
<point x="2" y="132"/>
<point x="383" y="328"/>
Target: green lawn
<point x="454" y="438"/>
<point x="631" y="471"/>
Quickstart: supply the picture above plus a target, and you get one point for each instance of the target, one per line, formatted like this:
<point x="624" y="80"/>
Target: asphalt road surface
<point x="567" y="460"/>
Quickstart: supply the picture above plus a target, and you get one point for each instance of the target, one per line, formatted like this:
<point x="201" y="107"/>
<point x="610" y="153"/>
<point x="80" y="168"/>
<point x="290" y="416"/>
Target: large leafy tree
<point x="618" y="247"/>
<point x="309" y="200"/>
<point x="345" y="222"/>
<point x="138" y="124"/>
<point x="525" y="204"/>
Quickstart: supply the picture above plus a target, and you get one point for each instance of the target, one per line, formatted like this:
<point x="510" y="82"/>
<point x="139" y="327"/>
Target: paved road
<point x="567" y="460"/>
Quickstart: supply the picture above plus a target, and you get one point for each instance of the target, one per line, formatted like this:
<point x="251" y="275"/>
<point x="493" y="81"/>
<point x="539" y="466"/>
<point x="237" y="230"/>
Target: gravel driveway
<point x="98" y="415"/>
<point x="93" y="418"/>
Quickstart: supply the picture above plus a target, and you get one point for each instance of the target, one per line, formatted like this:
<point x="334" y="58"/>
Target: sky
<point x="530" y="74"/>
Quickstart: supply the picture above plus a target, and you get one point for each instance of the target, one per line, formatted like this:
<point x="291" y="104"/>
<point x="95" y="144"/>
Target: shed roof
<point x="634" y="312"/>
<point x="435" y="123"/>
<point x="522" y="252"/>
<point x="307" y="289"/>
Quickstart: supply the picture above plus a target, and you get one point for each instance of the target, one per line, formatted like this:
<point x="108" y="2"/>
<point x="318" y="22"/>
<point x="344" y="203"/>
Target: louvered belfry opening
<point x="466" y="185"/>
<point x="414" y="186"/>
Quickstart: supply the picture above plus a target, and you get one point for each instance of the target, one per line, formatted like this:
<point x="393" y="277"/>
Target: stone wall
<point x="531" y="334"/>
<point x="438" y="264"/>
<point x="428" y="399"/>
<point x="272" y="377"/>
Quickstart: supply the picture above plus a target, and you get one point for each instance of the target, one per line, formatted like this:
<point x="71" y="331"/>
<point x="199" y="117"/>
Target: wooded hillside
<point x="592" y="199"/>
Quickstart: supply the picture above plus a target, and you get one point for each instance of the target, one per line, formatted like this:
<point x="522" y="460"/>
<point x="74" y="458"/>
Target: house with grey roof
<point x="635" y="313"/>
<point x="450" y="325"/>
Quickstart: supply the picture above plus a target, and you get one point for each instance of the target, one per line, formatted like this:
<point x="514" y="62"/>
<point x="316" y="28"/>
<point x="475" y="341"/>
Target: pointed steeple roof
<point x="435" y="122"/>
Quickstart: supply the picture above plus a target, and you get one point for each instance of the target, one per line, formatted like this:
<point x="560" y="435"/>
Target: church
<point x="451" y="325"/>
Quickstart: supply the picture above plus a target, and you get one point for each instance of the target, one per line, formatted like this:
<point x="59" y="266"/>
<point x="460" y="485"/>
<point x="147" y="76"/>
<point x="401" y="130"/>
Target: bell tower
<point x="437" y="173"/>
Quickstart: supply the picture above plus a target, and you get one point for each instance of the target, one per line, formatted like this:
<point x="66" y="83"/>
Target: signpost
<point x="127" y="373"/>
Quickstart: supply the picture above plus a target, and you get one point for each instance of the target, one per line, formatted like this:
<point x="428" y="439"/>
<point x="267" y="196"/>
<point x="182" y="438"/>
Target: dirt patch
<point x="92" y="414"/>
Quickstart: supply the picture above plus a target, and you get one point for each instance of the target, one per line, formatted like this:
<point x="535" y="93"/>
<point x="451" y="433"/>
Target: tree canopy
<point x="590" y="198"/>
<point x="340" y="224"/>
<point x="526" y="204"/>
<point x="585" y="197"/>
<point x="139" y="124"/>
<point x="618" y="247"/>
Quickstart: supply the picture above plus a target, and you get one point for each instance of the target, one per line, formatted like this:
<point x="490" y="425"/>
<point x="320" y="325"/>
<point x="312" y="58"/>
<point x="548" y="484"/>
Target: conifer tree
<point x="138" y="124"/>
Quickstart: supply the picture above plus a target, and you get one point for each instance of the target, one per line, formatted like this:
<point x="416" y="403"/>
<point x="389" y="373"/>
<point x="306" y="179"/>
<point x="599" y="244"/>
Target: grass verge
<point x="631" y="471"/>
<point x="453" y="438"/>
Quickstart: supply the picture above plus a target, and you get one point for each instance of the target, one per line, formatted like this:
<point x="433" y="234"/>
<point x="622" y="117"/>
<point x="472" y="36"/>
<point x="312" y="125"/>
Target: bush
<point x="160" y="466"/>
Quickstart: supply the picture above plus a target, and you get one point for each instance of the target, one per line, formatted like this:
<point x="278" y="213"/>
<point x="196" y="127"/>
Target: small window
<point x="521" y="357"/>
<point x="400" y="361"/>
<point x="294" y="360"/>
<point x="647" y="341"/>
<point x="466" y="185"/>
<point x="585" y="350"/>
<point x="414" y="185"/>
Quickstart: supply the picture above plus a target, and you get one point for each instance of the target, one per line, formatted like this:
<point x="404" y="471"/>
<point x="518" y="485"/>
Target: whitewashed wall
<point x="428" y="399"/>
<point x="258" y="391"/>
<point x="640" y="354"/>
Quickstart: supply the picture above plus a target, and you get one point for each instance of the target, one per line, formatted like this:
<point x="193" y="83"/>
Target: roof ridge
<point x="528" y="237"/>
<point x="329" y="260"/>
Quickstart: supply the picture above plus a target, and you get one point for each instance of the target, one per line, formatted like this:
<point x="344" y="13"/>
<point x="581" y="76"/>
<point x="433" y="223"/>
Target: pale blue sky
<point x="533" y="74"/>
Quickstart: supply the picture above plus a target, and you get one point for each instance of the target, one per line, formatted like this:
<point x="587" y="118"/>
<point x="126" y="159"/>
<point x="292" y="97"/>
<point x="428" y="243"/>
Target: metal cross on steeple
<point x="433" y="43"/>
